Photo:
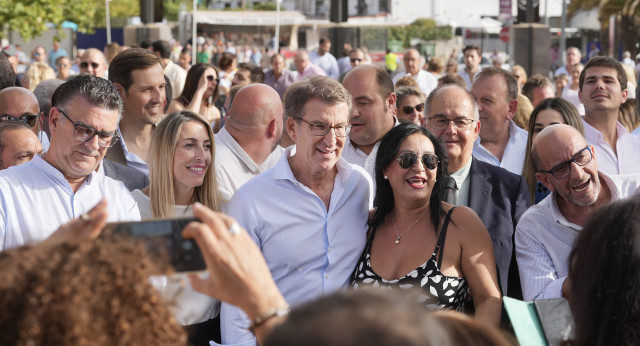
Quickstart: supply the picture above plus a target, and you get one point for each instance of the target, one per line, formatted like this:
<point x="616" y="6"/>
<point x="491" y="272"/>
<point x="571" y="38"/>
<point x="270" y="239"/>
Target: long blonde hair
<point x="163" y="147"/>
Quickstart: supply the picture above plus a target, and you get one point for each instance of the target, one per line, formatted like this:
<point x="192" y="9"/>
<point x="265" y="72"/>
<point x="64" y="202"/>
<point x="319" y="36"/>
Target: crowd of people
<point x="317" y="191"/>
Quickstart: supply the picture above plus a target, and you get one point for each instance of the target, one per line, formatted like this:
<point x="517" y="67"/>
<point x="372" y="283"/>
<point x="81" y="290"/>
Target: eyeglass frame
<point x="347" y="129"/>
<point x="466" y="126"/>
<point x="415" y="160"/>
<point x="569" y="162"/>
<point x="114" y="139"/>
<point x="411" y="108"/>
<point x="7" y="117"/>
<point x="211" y="79"/>
<point x="95" y="65"/>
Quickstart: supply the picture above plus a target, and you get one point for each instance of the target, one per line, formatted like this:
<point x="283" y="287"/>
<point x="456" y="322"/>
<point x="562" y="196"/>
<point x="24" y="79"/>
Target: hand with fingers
<point x="87" y="226"/>
<point x="238" y="273"/>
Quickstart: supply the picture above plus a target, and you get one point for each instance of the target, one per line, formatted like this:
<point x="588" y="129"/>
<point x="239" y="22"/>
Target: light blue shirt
<point x="310" y="251"/>
<point x="513" y="155"/>
<point x="327" y="62"/>
<point x="133" y="160"/>
<point x="35" y="199"/>
<point x="544" y="240"/>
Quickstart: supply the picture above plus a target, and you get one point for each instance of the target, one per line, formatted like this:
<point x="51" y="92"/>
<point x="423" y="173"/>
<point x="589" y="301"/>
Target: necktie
<point x="449" y="190"/>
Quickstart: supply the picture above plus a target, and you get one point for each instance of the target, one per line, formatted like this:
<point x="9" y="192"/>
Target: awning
<point x="250" y="18"/>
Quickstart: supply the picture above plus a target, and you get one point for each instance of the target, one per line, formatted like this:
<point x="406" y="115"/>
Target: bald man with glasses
<point x="41" y="195"/>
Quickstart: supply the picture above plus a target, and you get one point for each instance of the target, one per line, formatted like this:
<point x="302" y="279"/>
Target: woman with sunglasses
<point x="199" y="93"/>
<point x="410" y="104"/>
<point x="417" y="240"/>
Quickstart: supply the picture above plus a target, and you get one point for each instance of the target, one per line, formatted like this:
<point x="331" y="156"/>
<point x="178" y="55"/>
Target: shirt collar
<point x="462" y="174"/>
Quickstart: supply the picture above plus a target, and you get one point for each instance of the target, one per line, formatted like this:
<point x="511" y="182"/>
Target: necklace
<point x="398" y="236"/>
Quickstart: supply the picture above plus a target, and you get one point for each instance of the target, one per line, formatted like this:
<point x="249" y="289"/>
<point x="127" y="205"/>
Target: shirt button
<point x="326" y="276"/>
<point x="329" y="250"/>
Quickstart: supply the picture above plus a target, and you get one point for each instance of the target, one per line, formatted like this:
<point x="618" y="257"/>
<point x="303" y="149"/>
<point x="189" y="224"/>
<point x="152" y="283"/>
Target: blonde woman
<point x="36" y="73"/>
<point x="180" y="168"/>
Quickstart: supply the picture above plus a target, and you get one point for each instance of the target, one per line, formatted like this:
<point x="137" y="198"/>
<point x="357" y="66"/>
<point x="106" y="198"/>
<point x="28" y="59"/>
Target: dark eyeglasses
<point x="211" y="79"/>
<point x="29" y="119"/>
<point x="563" y="169"/>
<point x="408" y="159"/>
<point x="85" y="133"/>
<point x="95" y="65"/>
<point x="320" y="129"/>
<point x="355" y="60"/>
<point x="409" y="109"/>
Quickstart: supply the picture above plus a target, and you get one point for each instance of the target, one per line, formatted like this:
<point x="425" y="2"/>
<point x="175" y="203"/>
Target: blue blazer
<point x="500" y="197"/>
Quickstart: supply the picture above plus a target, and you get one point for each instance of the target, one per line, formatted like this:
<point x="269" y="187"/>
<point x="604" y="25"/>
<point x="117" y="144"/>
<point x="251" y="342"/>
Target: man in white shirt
<point x="602" y="90"/>
<point x="547" y="232"/>
<point x="325" y="60"/>
<point x="498" y="196"/>
<point x="573" y="56"/>
<point x="372" y="116"/>
<point x="176" y="74"/>
<point x="502" y="143"/>
<point x="48" y="191"/>
<point x="248" y="143"/>
<point x="413" y="62"/>
<point x="137" y="73"/>
<point x="308" y="214"/>
<point x="472" y="59"/>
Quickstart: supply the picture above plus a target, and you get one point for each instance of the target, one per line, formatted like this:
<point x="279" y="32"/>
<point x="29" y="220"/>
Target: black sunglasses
<point x="210" y="79"/>
<point x="29" y="119"/>
<point x="409" y="109"/>
<point x="408" y="159"/>
<point x="356" y="60"/>
<point x="95" y="65"/>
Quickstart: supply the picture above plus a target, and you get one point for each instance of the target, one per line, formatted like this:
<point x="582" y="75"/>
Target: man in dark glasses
<point x="93" y="62"/>
<point x="498" y="196"/>
<point x="20" y="104"/>
<point x="546" y="233"/>
<point x="50" y="190"/>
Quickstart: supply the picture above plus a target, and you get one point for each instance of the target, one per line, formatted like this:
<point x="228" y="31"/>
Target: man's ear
<point x="391" y="103"/>
<point x="513" y="107"/>
<point x="272" y="128"/>
<point x="121" y="90"/>
<point x="544" y="179"/>
<point x="54" y="119"/>
<point x="291" y="129"/>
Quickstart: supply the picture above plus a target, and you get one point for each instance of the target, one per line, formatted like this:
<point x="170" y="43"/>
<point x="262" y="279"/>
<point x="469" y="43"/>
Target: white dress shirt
<point x="627" y="146"/>
<point x="544" y="240"/>
<point x="310" y="251"/>
<point x="177" y="76"/>
<point x="234" y="166"/>
<point x="426" y="81"/>
<point x="513" y="155"/>
<point x="358" y="157"/>
<point x="36" y="199"/>
<point x="572" y="96"/>
<point x="468" y="79"/>
<point x="326" y="62"/>
<point x="133" y="160"/>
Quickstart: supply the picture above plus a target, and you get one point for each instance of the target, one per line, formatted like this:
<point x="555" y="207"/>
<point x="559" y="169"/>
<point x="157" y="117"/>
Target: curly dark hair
<point x="83" y="293"/>
<point x="387" y="152"/>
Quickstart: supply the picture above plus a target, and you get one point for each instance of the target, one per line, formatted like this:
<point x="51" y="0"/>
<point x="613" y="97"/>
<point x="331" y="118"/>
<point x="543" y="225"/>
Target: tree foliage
<point x="422" y="28"/>
<point x="30" y="17"/>
<point x="627" y="14"/>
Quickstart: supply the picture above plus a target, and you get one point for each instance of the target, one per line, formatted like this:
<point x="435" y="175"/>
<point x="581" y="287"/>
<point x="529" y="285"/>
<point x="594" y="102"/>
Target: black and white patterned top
<point x="441" y="292"/>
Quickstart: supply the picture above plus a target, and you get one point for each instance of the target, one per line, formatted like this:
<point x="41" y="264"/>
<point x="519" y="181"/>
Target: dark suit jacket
<point x="132" y="178"/>
<point x="500" y="197"/>
<point x="116" y="154"/>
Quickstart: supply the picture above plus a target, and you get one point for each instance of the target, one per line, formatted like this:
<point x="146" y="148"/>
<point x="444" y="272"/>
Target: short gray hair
<point x="44" y="91"/>
<point x="437" y="91"/>
<point x="97" y="91"/>
<point x="323" y="88"/>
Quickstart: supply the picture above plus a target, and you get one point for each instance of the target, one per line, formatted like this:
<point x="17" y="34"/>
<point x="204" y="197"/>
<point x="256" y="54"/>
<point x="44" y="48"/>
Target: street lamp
<point x="108" y="19"/>
<point x="277" y="43"/>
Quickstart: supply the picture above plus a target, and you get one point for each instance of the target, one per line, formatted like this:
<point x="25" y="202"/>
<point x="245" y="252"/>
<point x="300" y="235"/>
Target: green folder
<point x="525" y="322"/>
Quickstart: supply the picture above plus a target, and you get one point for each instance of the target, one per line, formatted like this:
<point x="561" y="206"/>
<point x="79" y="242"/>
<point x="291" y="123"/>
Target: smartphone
<point x="163" y="241"/>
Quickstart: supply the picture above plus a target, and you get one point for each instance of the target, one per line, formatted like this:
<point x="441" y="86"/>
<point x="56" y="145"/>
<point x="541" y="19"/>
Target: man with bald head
<point x="17" y="144"/>
<point x="93" y="62"/>
<point x="305" y="67"/>
<point x="20" y="104"/>
<point x="498" y="196"/>
<point x="413" y="62"/>
<point x="546" y="233"/>
<point x="248" y="143"/>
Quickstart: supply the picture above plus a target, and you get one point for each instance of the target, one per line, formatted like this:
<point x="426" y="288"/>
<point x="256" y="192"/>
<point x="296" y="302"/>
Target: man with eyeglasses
<point x="20" y="104"/>
<point x="498" y="196"/>
<point x="308" y="213"/>
<point x="546" y="233"/>
<point x="93" y="62"/>
<point x="41" y="195"/>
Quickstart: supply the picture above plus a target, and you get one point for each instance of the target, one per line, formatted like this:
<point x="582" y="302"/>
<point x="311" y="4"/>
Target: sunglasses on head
<point x="408" y="159"/>
<point x="409" y="109"/>
<point x="95" y="65"/>
<point x="29" y="119"/>
<point x="211" y="79"/>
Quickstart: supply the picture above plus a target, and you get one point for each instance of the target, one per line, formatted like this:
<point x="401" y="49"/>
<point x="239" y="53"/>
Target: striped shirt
<point x="544" y="240"/>
<point x="513" y="156"/>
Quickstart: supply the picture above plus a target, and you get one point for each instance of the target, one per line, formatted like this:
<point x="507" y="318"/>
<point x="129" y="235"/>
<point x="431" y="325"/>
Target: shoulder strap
<point x="443" y="232"/>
